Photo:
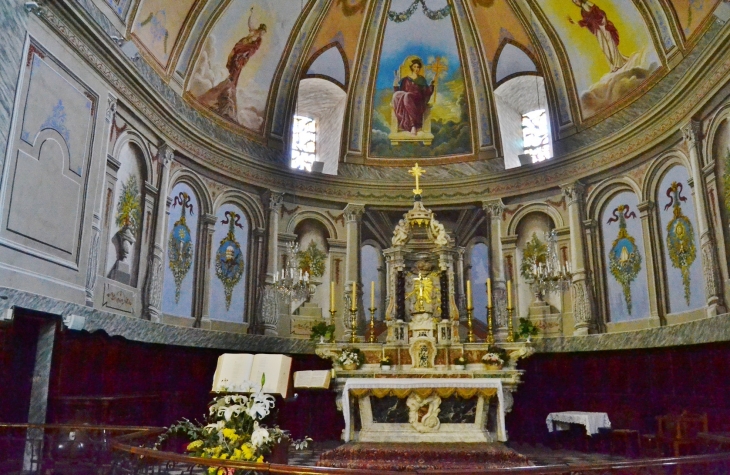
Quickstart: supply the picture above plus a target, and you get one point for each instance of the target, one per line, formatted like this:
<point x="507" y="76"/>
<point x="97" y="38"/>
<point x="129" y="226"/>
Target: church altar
<point x="428" y="395"/>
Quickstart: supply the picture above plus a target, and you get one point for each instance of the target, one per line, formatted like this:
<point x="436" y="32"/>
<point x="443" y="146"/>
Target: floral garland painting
<point x="312" y="260"/>
<point x="534" y="254"/>
<point x="229" y="258"/>
<point x="180" y="244"/>
<point x="680" y="237"/>
<point x="624" y="257"/>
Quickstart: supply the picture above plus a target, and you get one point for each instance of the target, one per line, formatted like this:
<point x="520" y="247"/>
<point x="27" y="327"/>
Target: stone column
<point x="254" y="276"/>
<point x="152" y="295"/>
<point x="651" y="251"/>
<point x="353" y="215"/>
<point x="692" y="136"/>
<point x="201" y="282"/>
<point x="92" y="266"/>
<point x="460" y="290"/>
<point x="270" y="297"/>
<point x="494" y="210"/>
<point x="584" y="321"/>
<point x="39" y="396"/>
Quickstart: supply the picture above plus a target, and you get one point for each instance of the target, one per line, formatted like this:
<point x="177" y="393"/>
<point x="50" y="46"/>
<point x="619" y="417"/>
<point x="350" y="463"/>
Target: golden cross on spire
<point x="417" y="171"/>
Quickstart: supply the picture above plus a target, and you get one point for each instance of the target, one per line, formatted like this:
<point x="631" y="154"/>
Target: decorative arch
<point x="250" y="205"/>
<point x="721" y="116"/>
<point x="315" y="215"/>
<point x="604" y="191"/>
<point x="336" y="45"/>
<point x="659" y="168"/>
<point x="528" y="53"/>
<point x="132" y="136"/>
<point x="205" y="201"/>
<point x="531" y="208"/>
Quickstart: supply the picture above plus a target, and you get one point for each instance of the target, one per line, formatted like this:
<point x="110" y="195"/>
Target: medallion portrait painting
<point x="237" y="61"/>
<point x="608" y="45"/>
<point x="419" y="105"/>
<point x="228" y="265"/>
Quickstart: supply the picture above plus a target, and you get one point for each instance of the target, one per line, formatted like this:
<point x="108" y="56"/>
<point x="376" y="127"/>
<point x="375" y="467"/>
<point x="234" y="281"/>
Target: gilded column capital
<point x="353" y="212"/>
<point x="494" y="208"/>
<point x="574" y="192"/>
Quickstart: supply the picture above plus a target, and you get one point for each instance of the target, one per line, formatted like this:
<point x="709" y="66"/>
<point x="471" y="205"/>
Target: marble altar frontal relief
<point x="182" y="230"/>
<point x="609" y="47"/>
<point x="157" y="26"/>
<point x="692" y="13"/>
<point x="235" y="67"/>
<point x="624" y="259"/>
<point x="46" y="175"/>
<point x="419" y="107"/>
<point x="680" y="242"/>
<point x="228" y="265"/>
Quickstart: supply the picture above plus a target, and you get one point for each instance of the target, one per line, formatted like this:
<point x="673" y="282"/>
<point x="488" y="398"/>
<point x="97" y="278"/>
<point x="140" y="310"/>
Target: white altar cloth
<point x="415" y="383"/>
<point x="591" y="420"/>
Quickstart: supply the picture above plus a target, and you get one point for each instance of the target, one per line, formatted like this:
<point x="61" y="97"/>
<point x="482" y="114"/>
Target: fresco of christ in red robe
<point x="595" y="20"/>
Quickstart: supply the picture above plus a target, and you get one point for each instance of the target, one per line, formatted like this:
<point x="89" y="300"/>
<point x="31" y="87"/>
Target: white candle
<point x="468" y="294"/>
<point x="489" y="292"/>
<point x="332" y="296"/>
<point x="372" y="294"/>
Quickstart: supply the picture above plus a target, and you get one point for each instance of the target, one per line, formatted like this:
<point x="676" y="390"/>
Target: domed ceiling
<point x="419" y="74"/>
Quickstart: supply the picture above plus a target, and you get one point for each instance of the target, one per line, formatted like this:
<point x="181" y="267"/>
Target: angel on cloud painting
<point x="608" y="45"/>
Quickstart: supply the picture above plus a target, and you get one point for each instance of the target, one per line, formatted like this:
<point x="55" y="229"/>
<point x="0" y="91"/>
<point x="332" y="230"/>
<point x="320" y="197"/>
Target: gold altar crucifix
<point x="417" y="171"/>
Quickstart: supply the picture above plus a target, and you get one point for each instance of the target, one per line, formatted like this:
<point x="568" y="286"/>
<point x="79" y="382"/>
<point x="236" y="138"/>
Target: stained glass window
<point x="303" y="149"/>
<point x="535" y="135"/>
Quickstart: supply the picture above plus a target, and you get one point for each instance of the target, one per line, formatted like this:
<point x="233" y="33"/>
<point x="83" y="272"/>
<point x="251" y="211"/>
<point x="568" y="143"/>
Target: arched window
<point x="304" y="143"/>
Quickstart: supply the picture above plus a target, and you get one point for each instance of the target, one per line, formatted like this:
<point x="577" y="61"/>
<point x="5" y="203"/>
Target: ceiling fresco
<point x="228" y="57"/>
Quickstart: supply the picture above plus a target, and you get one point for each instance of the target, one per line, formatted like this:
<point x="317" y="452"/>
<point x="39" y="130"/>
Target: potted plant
<point x="526" y="329"/>
<point x="492" y="361"/>
<point x="129" y="217"/>
<point x="385" y="363"/>
<point x="460" y="362"/>
<point x="350" y="358"/>
<point x="495" y="358"/>
<point x="323" y="333"/>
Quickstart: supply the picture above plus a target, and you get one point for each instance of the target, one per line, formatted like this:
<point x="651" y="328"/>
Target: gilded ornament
<point x="180" y="244"/>
<point x="229" y="262"/>
<point x="624" y="257"/>
<point x="680" y="238"/>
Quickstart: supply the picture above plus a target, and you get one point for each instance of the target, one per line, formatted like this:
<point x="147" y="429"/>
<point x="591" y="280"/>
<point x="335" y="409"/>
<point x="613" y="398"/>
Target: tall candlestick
<point x="372" y="294"/>
<point x="468" y="294"/>
<point x="332" y="296"/>
<point x="354" y="296"/>
<point x="489" y="292"/>
<point x="509" y="294"/>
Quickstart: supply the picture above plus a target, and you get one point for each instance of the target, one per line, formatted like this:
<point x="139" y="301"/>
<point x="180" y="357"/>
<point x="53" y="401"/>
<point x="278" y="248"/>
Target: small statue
<point x="400" y="233"/>
<point x="438" y="233"/>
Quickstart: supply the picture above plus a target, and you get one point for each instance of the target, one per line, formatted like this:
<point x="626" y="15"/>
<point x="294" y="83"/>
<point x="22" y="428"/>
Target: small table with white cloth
<point x="593" y="421"/>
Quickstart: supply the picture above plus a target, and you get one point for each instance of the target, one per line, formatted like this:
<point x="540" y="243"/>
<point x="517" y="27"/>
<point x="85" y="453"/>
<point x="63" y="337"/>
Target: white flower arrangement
<point x="350" y="356"/>
<point x="492" y="359"/>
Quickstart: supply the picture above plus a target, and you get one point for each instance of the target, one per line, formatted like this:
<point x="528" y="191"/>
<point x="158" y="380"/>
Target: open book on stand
<point x="242" y="373"/>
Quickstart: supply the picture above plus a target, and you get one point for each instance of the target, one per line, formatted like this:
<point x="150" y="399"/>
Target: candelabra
<point x="371" y="339"/>
<point x="291" y="282"/>
<point x="490" y="325"/>
<point x="547" y="274"/>
<point x="353" y="325"/>
<point x="510" y="327"/>
<point x="470" y="335"/>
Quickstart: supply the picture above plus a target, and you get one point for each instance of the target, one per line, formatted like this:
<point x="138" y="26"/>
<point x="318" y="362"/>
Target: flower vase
<point x="349" y="366"/>
<point x="385" y="367"/>
<point x="460" y="366"/>
<point x="492" y="367"/>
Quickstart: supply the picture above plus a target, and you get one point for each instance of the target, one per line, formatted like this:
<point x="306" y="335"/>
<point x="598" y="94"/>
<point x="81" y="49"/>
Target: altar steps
<point x="423" y="456"/>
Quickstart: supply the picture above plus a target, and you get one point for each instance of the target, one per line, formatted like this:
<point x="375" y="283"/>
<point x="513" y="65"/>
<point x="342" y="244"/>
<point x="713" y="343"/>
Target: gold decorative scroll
<point x="402" y="393"/>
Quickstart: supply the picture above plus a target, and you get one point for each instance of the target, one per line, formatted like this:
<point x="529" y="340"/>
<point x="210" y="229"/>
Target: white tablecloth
<point x="591" y="420"/>
<point x="402" y="383"/>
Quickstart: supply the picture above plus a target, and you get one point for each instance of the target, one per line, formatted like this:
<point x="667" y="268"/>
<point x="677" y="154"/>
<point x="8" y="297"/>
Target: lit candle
<point x="372" y="294"/>
<point x="489" y="292"/>
<point x="509" y="294"/>
<point x="468" y="294"/>
<point x="383" y="352"/>
<point x="332" y="296"/>
<point x="354" y="296"/>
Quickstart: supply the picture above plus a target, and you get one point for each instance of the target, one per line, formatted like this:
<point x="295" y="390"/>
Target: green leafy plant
<point x="129" y="214"/>
<point x="233" y="431"/>
<point x="526" y="329"/>
<point x="323" y="331"/>
<point x="312" y="260"/>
